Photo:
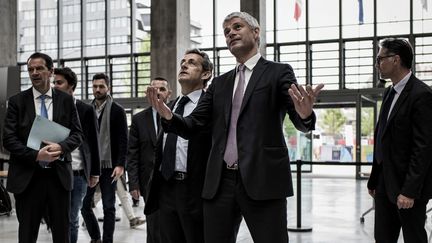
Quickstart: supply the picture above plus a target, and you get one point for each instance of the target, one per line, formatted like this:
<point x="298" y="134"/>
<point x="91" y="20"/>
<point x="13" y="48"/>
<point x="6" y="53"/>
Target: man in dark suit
<point x="179" y="171"/>
<point x="141" y="148"/>
<point x="85" y="159"/>
<point x="248" y="172"/>
<point x="112" y="152"/>
<point x="401" y="177"/>
<point x="41" y="180"/>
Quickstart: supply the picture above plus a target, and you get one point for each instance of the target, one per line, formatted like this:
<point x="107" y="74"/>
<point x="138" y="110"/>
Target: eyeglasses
<point x="379" y="59"/>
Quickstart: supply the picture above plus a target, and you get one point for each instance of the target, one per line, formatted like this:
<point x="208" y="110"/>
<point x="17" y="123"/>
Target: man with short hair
<point x="41" y="179"/>
<point x="142" y="143"/>
<point x="85" y="159"/>
<point x="401" y="177"/>
<point x="248" y="172"/>
<point x="181" y="162"/>
<point x="112" y="152"/>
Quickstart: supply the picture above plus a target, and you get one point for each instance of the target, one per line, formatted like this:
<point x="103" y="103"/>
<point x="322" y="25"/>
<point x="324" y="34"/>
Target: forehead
<point x="36" y="62"/>
<point x="192" y="56"/>
<point x="99" y="82"/>
<point x="232" y="21"/>
<point x="383" y="50"/>
<point x="59" y="77"/>
<point x="159" y="83"/>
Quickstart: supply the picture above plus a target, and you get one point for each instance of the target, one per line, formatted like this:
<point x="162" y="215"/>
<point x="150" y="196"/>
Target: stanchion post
<point x="299" y="227"/>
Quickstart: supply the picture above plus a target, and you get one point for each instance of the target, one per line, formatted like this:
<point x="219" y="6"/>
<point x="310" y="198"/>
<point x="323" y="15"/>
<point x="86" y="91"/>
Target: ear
<point x="206" y="75"/>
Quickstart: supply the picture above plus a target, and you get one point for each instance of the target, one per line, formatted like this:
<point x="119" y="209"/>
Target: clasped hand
<point x="50" y="152"/>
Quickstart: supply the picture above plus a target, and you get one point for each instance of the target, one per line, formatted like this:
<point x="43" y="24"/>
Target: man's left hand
<point x="404" y="202"/>
<point x="117" y="172"/>
<point x="304" y="98"/>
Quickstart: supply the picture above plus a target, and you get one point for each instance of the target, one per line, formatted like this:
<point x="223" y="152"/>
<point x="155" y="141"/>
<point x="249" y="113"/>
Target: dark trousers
<point x="266" y="219"/>
<point x="108" y="204"/>
<point x="153" y="228"/>
<point x="389" y="219"/>
<point x="181" y="215"/>
<point x="44" y="194"/>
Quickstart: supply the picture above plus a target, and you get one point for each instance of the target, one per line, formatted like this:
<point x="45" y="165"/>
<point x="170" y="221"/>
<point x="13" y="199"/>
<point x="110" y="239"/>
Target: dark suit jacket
<point x="407" y="144"/>
<point x="199" y="145"/>
<point x="142" y="144"/>
<point x="18" y="122"/>
<point x="89" y="148"/>
<point x="263" y="154"/>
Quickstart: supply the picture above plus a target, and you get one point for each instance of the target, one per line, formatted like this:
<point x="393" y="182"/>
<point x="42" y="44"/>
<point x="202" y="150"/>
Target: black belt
<point x="78" y="172"/>
<point x="179" y="176"/>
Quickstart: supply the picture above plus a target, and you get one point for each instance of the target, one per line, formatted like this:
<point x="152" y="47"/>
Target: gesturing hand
<point x="304" y="99"/>
<point x="159" y="104"/>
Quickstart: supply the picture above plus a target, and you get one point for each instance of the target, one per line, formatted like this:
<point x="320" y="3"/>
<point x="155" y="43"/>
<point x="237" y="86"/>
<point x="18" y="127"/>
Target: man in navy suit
<point x="401" y="177"/>
<point x="41" y="180"/>
<point x="178" y="178"/>
<point x="141" y="159"/>
<point x="248" y="172"/>
<point x="85" y="159"/>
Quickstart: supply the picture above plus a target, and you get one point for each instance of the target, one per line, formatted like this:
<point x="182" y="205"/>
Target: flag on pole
<point x="424" y="4"/>
<point x="361" y="20"/>
<point x="297" y="9"/>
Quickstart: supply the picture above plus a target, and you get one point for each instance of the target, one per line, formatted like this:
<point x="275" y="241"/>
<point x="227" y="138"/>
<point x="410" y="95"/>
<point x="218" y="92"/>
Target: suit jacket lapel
<point x="55" y="105"/>
<point x="151" y="126"/>
<point x="229" y="87"/>
<point x="256" y="75"/>
<point x="29" y="101"/>
<point x="402" y="98"/>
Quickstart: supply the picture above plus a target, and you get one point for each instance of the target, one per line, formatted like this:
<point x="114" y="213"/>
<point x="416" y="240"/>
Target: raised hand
<point x="304" y="98"/>
<point x="159" y="104"/>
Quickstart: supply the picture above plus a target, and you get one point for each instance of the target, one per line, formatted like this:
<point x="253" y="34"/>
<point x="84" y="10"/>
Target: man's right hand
<point x="372" y="193"/>
<point x="159" y="104"/>
<point x="45" y="154"/>
<point x="135" y="194"/>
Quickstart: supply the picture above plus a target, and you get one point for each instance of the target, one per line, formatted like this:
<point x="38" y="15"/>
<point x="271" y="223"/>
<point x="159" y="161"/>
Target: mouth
<point x="183" y="72"/>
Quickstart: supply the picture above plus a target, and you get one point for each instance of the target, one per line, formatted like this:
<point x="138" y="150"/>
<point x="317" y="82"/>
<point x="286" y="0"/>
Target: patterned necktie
<point x="169" y="153"/>
<point x="231" y="153"/>
<point x="382" y="124"/>
<point x="43" y="113"/>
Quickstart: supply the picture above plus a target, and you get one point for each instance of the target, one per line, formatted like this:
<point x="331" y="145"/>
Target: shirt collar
<point x="250" y="64"/>
<point x="36" y="93"/>
<point x="194" y="96"/>
<point x="401" y="84"/>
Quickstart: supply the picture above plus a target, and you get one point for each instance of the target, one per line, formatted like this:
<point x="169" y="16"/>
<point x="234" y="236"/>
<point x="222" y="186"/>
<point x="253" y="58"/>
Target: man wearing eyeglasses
<point x="401" y="177"/>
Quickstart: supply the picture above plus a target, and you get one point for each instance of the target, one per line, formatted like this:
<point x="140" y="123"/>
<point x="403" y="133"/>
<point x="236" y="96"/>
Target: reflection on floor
<point x="331" y="206"/>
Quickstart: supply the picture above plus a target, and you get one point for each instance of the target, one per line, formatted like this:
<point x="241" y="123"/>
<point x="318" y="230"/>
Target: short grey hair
<point x="249" y="19"/>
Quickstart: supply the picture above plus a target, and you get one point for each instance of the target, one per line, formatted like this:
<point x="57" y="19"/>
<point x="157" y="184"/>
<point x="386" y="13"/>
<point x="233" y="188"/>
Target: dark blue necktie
<point x="169" y="153"/>
<point x="43" y="113"/>
<point x="382" y="123"/>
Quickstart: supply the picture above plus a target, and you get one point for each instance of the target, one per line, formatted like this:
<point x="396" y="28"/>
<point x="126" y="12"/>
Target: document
<point x="44" y="129"/>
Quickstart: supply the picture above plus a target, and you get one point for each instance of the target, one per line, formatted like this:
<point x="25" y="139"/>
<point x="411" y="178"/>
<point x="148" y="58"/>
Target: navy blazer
<point x="141" y="149"/>
<point x="263" y="154"/>
<point x="89" y="148"/>
<point x="18" y="122"/>
<point x="407" y="144"/>
<point x="199" y="145"/>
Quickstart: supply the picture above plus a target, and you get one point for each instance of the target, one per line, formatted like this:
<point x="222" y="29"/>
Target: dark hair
<point x="207" y="65"/>
<point x="68" y="74"/>
<point x="48" y="61"/>
<point x="162" y="79"/>
<point x="399" y="47"/>
<point x="102" y="76"/>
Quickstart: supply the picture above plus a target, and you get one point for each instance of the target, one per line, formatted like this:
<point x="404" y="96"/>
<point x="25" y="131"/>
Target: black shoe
<point x="101" y="219"/>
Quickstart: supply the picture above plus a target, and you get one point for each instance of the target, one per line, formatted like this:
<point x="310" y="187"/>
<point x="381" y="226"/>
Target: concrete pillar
<point x="8" y="30"/>
<point x="170" y="38"/>
<point x="257" y="8"/>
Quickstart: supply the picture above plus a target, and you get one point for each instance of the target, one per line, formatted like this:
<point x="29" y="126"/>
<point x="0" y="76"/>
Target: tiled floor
<point x="331" y="206"/>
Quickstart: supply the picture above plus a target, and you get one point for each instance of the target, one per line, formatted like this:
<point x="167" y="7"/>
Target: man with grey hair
<point x="248" y="172"/>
